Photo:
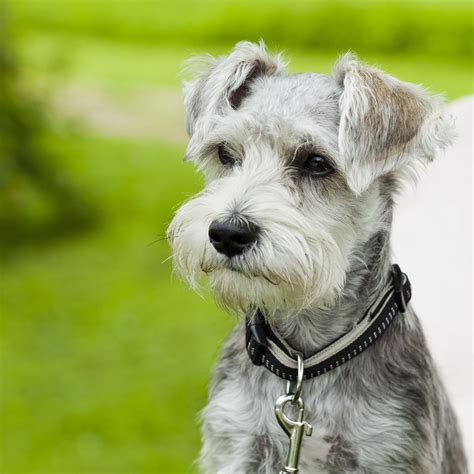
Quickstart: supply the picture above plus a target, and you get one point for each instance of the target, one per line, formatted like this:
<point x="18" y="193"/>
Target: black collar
<point x="266" y="347"/>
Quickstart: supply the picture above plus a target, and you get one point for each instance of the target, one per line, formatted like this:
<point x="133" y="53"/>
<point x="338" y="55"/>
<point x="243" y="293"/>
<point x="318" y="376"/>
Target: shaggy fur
<point x="322" y="257"/>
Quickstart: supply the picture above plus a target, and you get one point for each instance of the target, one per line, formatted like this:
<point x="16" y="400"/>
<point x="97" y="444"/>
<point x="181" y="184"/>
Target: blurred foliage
<point x="98" y="332"/>
<point x="95" y="332"/>
<point x="36" y="197"/>
<point x="441" y="28"/>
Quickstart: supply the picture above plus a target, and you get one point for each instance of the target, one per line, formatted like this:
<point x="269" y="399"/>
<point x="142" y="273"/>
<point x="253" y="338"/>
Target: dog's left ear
<point x="385" y="125"/>
<point x="225" y="81"/>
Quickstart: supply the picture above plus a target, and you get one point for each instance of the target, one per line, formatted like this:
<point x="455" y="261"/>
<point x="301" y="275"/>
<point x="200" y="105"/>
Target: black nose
<point x="232" y="239"/>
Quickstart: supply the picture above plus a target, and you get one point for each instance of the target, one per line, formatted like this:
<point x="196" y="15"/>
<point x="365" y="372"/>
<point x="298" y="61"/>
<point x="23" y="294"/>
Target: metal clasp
<point x="295" y="387"/>
<point x="293" y="428"/>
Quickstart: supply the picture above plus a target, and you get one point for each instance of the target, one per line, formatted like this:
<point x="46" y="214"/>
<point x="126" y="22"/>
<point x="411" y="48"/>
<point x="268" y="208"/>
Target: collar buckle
<point x="398" y="281"/>
<point x="256" y="339"/>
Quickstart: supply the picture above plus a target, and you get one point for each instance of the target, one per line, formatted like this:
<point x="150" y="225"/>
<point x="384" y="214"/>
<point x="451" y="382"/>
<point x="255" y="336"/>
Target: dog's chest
<point x="244" y="413"/>
<point x="241" y="433"/>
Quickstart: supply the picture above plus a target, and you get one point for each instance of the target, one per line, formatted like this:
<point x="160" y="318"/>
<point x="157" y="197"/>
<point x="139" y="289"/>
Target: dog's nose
<point x="232" y="239"/>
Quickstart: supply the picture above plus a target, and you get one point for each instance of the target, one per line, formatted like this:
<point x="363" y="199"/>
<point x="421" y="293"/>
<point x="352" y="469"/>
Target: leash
<point x="267" y="348"/>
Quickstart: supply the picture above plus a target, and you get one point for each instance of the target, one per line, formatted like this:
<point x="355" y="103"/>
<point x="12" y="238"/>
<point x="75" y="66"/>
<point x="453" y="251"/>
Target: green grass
<point x="105" y="354"/>
<point x="433" y="28"/>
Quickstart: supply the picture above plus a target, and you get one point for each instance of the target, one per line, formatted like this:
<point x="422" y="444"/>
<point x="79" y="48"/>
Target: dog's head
<point x="294" y="165"/>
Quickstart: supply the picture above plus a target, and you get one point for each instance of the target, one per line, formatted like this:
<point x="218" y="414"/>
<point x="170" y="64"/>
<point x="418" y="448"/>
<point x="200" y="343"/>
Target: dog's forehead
<point x="286" y="111"/>
<point x="291" y="96"/>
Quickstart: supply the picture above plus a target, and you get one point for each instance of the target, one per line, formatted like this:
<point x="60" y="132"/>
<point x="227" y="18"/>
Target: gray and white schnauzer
<point x="293" y="231"/>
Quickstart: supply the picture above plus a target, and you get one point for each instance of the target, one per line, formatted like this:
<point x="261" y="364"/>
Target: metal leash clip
<point x="293" y="428"/>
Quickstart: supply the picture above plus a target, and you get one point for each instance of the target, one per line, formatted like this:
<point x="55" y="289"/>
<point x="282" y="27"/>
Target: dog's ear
<point x="386" y="125"/>
<point x="226" y="81"/>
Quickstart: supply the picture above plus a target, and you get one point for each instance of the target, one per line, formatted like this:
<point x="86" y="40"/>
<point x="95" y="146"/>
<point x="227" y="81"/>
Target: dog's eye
<point x="317" y="165"/>
<point x="225" y="157"/>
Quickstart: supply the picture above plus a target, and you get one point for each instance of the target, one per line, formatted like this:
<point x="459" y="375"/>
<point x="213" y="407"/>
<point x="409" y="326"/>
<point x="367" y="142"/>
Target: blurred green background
<point x="105" y="356"/>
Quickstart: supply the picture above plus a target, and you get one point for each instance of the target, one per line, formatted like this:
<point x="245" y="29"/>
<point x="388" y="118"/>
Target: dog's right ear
<point x="386" y="125"/>
<point x="226" y="80"/>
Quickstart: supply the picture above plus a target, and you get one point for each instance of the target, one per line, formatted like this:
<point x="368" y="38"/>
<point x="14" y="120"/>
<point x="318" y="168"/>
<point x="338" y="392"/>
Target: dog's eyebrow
<point x="308" y="145"/>
<point x="204" y="150"/>
<point x="304" y="145"/>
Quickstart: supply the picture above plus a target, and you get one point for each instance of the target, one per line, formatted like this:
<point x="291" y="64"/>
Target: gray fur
<point x="323" y="256"/>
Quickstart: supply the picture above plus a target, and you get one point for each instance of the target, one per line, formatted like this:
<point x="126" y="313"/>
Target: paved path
<point x="433" y="243"/>
<point x="146" y="114"/>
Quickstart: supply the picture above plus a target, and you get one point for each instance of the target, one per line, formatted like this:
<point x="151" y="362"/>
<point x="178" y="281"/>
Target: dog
<point x="294" y="225"/>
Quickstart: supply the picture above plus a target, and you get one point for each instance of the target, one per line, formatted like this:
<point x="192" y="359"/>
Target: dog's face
<point x="293" y="165"/>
